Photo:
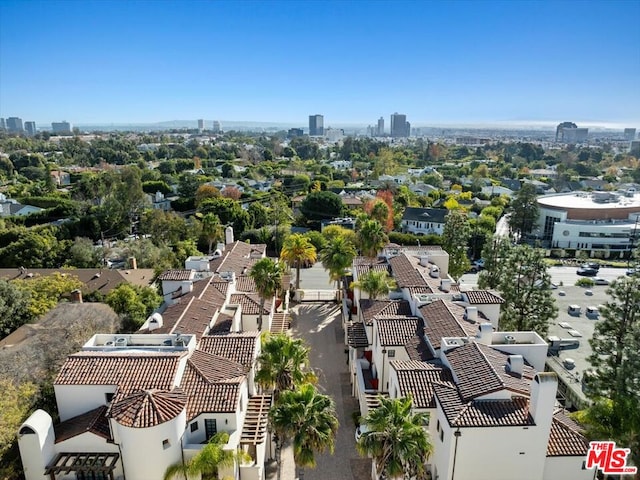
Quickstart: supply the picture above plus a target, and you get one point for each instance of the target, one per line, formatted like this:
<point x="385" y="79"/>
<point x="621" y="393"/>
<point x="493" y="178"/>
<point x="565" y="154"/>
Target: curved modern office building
<point x="593" y="221"/>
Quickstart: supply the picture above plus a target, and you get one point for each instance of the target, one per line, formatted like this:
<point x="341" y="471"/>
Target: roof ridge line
<point x="497" y="375"/>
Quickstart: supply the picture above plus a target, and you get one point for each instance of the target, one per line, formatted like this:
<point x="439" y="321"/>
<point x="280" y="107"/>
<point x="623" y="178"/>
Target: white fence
<point x="316" y="295"/>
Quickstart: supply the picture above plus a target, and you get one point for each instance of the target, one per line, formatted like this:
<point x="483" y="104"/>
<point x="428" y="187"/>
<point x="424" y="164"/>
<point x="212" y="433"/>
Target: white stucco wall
<point x="143" y="454"/>
<point x="567" y="467"/>
<point x="37" y="449"/>
<point x="74" y="400"/>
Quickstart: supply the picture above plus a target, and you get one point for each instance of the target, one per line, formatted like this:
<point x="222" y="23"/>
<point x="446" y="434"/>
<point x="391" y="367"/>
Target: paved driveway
<point x="319" y="324"/>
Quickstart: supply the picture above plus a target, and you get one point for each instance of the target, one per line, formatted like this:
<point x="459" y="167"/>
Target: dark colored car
<point x="587" y="272"/>
<point x="593" y="265"/>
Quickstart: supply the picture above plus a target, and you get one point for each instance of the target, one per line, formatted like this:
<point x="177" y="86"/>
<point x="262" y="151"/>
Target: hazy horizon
<point x="440" y="63"/>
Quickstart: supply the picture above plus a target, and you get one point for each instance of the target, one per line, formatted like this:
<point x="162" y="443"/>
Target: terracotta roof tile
<point x="148" y="408"/>
<point x="215" y="368"/>
<point x="370" y="309"/>
<point x="482" y="413"/>
<point x="204" y="396"/>
<point x="175" y="275"/>
<point x="417" y="379"/>
<point x="94" y="421"/>
<point x="250" y="303"/>
<point x="397" y="331"/>
<point x="237" y="347"/>
<point x="130" y="372"/>
<point x="417" y="349"/>
<point x="483" y="297"/>
<point x="481" y="369"/>
<point x="245" y="283"/>
<point x="440" y="321"/>
<point x="223" y="324"/>
<point x="405" y="272"/>
<point x="566" y="438"/>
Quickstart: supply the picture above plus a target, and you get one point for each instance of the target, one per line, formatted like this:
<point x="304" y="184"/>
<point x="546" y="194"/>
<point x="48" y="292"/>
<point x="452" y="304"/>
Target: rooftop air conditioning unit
<point x="121" y="342"/>
<point x="110" y="343"/>
<point x="509" y="339"/>
<point x="569" y="363"/>
<point x="180" y="342"/>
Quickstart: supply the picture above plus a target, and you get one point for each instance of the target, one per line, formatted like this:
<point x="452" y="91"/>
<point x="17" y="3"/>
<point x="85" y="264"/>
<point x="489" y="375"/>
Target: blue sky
<point x="353" y="61"/>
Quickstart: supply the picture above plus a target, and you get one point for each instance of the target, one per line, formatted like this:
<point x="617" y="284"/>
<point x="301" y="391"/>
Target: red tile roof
<point x="397" y="331"/>
<point x="250" y="303"/>
<point x="207" y="397"/>
<point x="237" y="347"/>
<point x="175" y="275"/>
<point x="405" y="272"/>
<point x="483" y="297"/>
<point x="215" y="368"/>
<point x="566" y="438"/>
<point x="245" y="283"/>
<point x="94" y="421"/>
<point x="371" y="309"/>
<point x="129" y="371"/>
<point x="481" y="369"/>
<point x="440" y="321"/>
<point x="417" y="379"/>
<point x="482" y="413"/>
<point x="148" y="408"/>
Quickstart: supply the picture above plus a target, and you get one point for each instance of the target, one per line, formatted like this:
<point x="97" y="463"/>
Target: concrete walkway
<point x="319" y="324"/>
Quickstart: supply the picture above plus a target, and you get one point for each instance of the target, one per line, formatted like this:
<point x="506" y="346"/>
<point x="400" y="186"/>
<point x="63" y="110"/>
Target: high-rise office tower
<point x="316" y="125"/>
<point x="30" y="127"/>
<point x="61" y="127"/>
<point x="3" y="124"/>
<point x="14" y="125"/>
<point x="200" y="125"/>
<point x="380" y="131"/>
<point x="216" y="127"/>
<point x="629" y="134"/>
<point x="560" y="130"/>
<point x="399" y="125"/>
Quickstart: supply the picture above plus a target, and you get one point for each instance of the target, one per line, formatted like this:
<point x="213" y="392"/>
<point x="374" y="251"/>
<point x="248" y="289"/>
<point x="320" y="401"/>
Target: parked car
<point x="600" y="281"/>
<point x="587" y="271"/>
<point x="477" y="265"/>
<point x="633" y="271"/>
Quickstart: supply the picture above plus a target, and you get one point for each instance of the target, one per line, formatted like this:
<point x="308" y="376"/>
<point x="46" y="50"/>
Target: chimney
<point x="228" y="235"/>
<point x="515" y="364"/>
<point x="471" y="313"/>
<point x="485" y="333"/>
<point x="424" y="261"/>
<point x="76" y="296"/>
<point x="134" y="263"/>
<point x="543" y="398"/>
<point x="445" y="285"/>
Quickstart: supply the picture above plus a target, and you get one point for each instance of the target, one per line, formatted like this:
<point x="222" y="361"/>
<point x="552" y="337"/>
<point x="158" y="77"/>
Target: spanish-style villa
<point x="131" y="405"/>
<point x="492" y="407"/>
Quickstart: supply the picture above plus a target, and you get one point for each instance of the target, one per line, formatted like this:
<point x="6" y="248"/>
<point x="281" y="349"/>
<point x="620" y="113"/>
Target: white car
<point x="600" y="281"/>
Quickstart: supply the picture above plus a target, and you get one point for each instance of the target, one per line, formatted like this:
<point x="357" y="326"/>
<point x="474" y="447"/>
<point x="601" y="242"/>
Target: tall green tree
<point x="319" y="206"/>
<point x="133" y="303"/>
<point x="375" y="283"/>
<point x="396" y="438"/>
<point x="614" y="385"/>
<point x="267" y="275"/>
<point x="525" y="286"/>
<point x="455" y="238"/>
<point x="308" y="418"/>
<point x="296" y="250"/>
<point x="337" y="256"/>
<point x="206" y="462"/>
<point x="284" y="364"/>
<point x="371" y="238"/>
<point x="212" y="229"/>
<point x="524" y="211"/>
<point x="494" y="254"/>
<point x="14" y="307"/>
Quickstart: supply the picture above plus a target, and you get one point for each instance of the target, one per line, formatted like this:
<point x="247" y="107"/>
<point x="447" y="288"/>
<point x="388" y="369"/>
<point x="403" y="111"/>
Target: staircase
<point x="280" y="323"/>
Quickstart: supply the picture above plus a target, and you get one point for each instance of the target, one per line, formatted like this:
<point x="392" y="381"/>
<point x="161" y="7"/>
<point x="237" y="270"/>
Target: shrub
<point x="585" y="282"/>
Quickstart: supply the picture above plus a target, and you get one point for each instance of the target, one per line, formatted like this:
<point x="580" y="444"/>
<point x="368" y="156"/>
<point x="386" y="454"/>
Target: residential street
<point x="319" y="324"/>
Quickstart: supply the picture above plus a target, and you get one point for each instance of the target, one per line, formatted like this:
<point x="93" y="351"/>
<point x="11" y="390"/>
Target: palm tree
<point x="284" y="364"/>
<point x="371" y="238"/>
<point x="396" y="438"/>
<point x="375" y="283"/>
<point x="308" y="418"/>
<point x="267" y="274"/>
<point x="211" y="228"/>
<point x="207" y="461"/>
<point x="297" y="249"/>
<point x="337" y="256"/>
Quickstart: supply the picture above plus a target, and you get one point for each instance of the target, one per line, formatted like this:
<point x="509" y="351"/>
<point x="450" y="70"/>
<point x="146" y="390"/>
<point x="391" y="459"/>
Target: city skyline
<point x="442" y="63"/>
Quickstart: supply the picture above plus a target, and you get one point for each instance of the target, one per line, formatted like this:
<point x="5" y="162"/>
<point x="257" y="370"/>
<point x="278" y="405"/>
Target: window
<point x="392" y="353"/>
<point x="166" y="444"/>
<point x="438" y="426"/>
<point x="210" y="427"/>
<point x="194" y="426"/>
<point x="108" y="397"/>
<point x="442" y="435"/>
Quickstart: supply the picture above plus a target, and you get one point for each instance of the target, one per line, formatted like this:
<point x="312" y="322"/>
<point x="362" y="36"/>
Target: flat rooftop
<point x="589" y="200"/>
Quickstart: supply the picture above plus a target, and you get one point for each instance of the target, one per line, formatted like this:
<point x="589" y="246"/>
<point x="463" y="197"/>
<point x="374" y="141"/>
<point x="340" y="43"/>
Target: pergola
<point x="90" y="465"/>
